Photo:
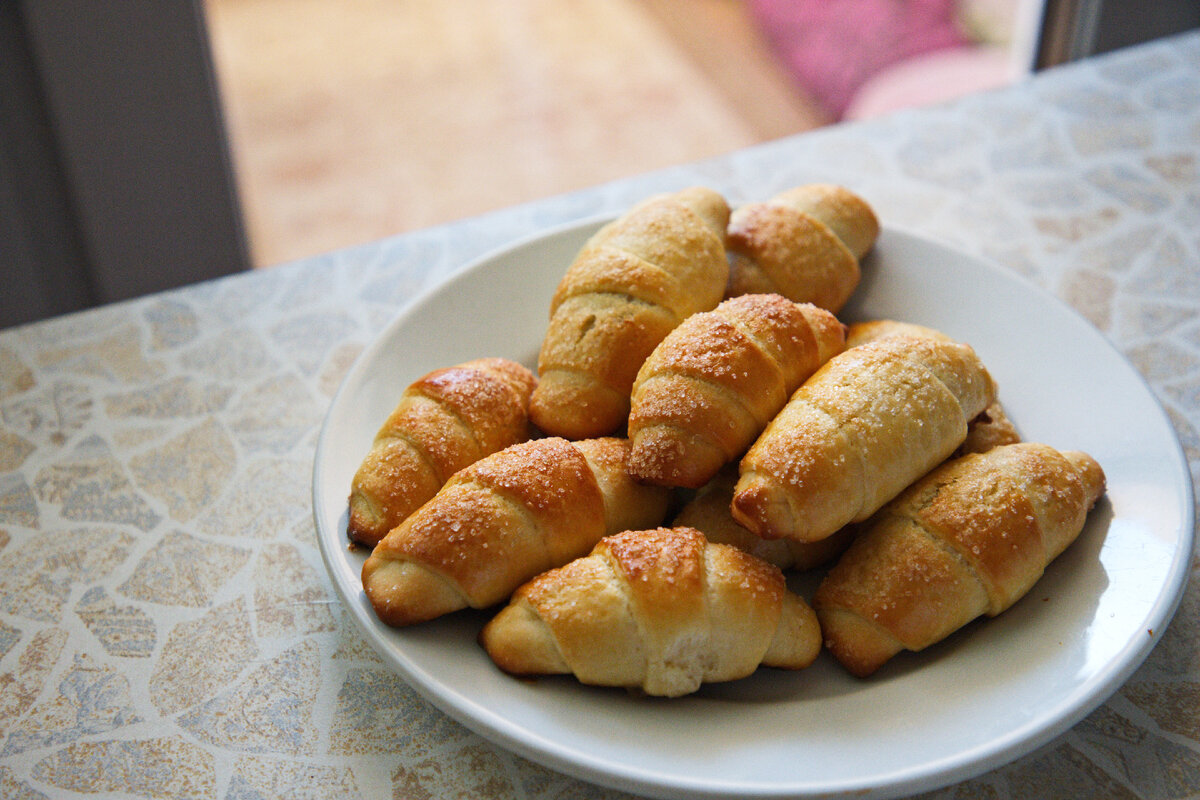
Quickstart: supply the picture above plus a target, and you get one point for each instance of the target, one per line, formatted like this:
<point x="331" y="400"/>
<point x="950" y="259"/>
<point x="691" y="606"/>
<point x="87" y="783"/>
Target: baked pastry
<point x="969" y="539"/>
<point x="659" y="610"/>
<point x="804" y="243"/>
<point x="867" y="424"/>
<point x="873" y="329"/>
<point x="712" y="385"/>
<point x="502" y="520"/>
<point x="633" y="282"/>
<point x="443" y="422"/>
<point x="990" y="428"/>
<point x="708" y="512"/>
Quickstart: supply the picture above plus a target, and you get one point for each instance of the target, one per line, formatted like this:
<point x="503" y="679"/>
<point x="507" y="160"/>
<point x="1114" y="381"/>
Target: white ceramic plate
<point x="991" y="693"/>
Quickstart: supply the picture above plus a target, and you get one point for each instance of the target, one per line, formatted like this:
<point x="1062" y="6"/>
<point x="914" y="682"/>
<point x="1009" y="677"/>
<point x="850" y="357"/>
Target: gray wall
<point x="115" y="176"/>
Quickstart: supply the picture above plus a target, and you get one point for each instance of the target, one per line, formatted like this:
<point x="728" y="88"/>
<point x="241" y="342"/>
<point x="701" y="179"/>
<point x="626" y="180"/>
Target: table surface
<point x="167" y="628"/>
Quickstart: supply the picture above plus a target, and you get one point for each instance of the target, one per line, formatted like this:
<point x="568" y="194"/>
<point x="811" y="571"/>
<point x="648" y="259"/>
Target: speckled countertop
<point x="167" y="628"/>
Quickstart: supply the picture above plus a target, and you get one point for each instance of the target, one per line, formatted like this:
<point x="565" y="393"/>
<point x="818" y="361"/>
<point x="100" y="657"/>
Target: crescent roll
<point x="661" y="610"/>
<point x="708" y="512"/>
<point x="990" y="428"/>
<point x="969" y="539"/>
<point x="873" y="329"/>
<point x="502" y="520"/>
<point x="712" y="385"/>
<point x="804" y="243"/>
<point x="444" y="421"/>
<point x="635" y="280"/>
<point x="867" y="424"/>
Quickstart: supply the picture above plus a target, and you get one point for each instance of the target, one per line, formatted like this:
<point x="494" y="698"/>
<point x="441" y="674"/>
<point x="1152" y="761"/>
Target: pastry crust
<point x="804" y="243"/>
<point x="502" y="520"/>
<point x="862" y="428"/>
<point x="661" y="610"/>
<point x="989" y="428"/>
<point x="874" y="329"/>
<point x="631" y="284"/>
<point x="443" y="422"/>
<point x="969" y="539"/>
<point x="712" y="385"/>
<point x="708" y="512"/>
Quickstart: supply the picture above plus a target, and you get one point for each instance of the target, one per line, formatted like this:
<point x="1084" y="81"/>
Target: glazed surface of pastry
<point x="631" y="284"/>
<point x="969" y="539"/>
<point x="712" y="385"/>
<point x="661" y="610"/>
<point x="709" y="512"/>
<point x="990" y="428"/>
<point x="864" y="426"/>
<point x="502" y="520"/>
<point x="804" y="243"/>
<point x="443" y="422"/>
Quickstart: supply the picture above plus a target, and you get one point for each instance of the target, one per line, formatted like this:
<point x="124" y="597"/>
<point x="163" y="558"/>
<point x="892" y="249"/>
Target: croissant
<point x="444" y="421"/>
<point x="804" y="243"/>
<point x="713" y="384"/>
<point x="871" y="330"/>
<point x="867" y="424"/>
<point x="990" y="428"/>
<point x="969" y="539"/>
<point x="502" y="520"/>
<point x="708" y="512"/>
<point x="661" y="610"/>
<point x="633" y="282"/>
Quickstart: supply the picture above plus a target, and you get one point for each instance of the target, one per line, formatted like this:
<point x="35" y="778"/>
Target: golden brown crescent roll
<point x="444" y="421"/>
<point x="633" y="282"/>
<point x="708" y="512"/>
<point x="661" y="610"/>
<point x="870" y="330"/>
<point x="867" y="424"/>
<point x="712" y="385"/>
<point x="502" y="520"/>
<point x="804" y="243"/>
<point x="990" y="428"/>
<point x="969" y="539"/>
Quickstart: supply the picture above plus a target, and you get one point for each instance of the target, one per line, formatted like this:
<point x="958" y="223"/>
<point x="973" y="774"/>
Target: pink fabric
<point x="932" y="78"/>
<point x="833" y="47"/>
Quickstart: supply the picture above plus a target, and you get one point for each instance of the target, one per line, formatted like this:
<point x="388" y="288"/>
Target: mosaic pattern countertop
<point x="167" y="628"/>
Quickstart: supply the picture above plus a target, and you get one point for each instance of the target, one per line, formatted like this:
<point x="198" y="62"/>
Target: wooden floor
<point x="359" y="119"/>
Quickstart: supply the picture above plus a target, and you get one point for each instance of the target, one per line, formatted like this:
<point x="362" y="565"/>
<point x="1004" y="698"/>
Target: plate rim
<point x="926" y="776"/>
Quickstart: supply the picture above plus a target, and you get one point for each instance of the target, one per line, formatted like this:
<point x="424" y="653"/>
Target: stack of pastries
<point x="701" y="423"/>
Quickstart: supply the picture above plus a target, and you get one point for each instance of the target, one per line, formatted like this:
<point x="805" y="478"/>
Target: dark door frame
<point x="115" y="171"/>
